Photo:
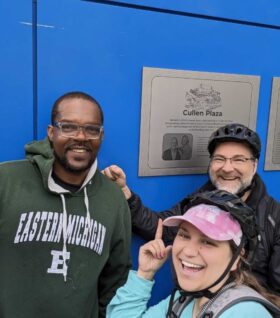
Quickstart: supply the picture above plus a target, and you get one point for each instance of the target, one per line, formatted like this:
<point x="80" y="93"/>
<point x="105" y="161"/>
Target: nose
<point x="227" y="165"/>
<point x="81" y="135"/>
<point x="191" y="249"/>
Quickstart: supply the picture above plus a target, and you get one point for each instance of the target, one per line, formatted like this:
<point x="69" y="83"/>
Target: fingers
<point x="113" y="172"/>
<point x="107" y="173"/>
<point x="156" y="249"/>
<point x="159" y="229"/>
<point x="117" y="171"/>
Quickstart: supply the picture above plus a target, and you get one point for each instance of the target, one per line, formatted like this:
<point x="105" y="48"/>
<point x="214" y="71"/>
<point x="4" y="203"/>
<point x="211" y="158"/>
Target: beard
<point x="63" y="161"/>
<point x="233" y="187"/>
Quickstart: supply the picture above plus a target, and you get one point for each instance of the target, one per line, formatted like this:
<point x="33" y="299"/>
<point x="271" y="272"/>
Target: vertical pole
<point x="35" y="82"/>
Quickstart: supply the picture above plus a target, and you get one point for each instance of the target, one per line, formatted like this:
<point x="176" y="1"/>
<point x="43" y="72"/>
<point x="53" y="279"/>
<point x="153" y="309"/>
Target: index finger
<point x="159" y="229"/>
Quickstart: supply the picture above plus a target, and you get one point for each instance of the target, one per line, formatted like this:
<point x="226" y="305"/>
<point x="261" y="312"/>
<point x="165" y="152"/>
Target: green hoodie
<point x="62" y="254"/>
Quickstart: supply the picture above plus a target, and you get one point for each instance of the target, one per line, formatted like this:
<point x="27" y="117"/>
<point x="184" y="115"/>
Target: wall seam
<point x="187" y="14"/>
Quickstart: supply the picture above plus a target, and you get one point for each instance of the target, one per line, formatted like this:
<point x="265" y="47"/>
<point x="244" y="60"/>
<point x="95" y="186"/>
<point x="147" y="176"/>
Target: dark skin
<point x="75" y="155"/>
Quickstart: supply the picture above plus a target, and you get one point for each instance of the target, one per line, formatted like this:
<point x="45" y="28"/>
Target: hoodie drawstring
<point x="64" y="233"/>
<point x="64" y="228"/>
<point x="87" y="207"/>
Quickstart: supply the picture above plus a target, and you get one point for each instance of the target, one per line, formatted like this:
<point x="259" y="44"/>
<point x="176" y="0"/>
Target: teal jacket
<point x="131" y="302"/>
<point x="62" y="254"/>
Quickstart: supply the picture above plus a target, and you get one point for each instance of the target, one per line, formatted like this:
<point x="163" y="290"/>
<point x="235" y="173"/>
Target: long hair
<point x="243" y="275"/>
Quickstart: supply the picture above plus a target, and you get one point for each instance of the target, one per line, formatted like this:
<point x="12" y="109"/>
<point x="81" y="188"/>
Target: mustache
<point x="79" y="145"/>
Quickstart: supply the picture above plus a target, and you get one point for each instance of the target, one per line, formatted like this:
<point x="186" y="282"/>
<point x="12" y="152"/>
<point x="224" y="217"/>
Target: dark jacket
<point x="266" y="265"/>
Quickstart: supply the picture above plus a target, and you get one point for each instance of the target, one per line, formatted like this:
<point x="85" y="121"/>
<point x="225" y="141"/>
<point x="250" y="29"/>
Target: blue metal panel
<point x="16" y="77"/>
<point x="261" y="11"/>
<point x="101" y="49"/>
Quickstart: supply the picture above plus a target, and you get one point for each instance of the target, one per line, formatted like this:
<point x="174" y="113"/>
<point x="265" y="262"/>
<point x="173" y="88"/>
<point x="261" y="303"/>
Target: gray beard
<point x="234" y="189"/>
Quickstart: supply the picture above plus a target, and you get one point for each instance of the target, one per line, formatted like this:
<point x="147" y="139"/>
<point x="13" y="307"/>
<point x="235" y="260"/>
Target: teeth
<point x="78" y="150"/>
<point x="191" y="265"/>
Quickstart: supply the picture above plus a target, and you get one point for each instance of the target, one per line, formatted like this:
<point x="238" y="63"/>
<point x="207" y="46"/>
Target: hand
<point x="153" y="255"/>
<point x="117" y="175"/>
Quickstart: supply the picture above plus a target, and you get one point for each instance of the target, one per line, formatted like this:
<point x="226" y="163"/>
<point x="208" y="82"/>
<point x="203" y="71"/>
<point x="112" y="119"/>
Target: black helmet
<point x="238" y="133"/>
<point x="246" y="218"/>
<point x="238" y="209"/>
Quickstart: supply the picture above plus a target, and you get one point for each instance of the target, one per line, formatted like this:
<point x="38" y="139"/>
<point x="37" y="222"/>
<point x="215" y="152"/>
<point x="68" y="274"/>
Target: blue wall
<point x="101" y="46"/>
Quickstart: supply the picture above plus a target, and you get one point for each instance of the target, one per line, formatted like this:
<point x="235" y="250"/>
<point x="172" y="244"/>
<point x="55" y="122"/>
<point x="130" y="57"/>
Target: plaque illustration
<point x="203" y="97"/>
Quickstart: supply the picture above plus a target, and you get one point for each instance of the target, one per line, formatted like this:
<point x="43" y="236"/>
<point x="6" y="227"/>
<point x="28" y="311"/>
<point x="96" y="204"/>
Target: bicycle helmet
<point x="239" y="211"/>
<point x="237" y="133"/>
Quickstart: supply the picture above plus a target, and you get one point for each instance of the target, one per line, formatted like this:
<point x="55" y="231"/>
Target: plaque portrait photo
<point x="177" y="146"/>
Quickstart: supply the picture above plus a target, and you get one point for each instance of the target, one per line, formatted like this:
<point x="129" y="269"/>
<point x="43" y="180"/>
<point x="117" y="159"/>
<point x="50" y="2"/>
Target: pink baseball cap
<point x="212" y="221"/>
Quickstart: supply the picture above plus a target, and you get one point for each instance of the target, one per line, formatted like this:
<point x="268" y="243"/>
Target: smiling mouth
<point x="191" y="267"/>
<point x="78" y="149"/>
<point x="229" y="178"/>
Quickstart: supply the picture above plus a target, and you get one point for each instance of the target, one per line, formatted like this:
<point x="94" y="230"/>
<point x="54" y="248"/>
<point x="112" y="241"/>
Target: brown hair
<point x="243" y="275"/>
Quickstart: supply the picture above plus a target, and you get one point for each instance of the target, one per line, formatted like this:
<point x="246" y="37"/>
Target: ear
<point x="50" y="132"/>
<point x="256" y="165"/>
<point x="102" y="135"/>
<point x="236" y="263"/>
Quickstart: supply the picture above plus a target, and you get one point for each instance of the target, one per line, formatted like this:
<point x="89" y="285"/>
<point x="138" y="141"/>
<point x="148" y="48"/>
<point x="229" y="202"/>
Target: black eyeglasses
<point x="235" y="161"/>
<point x="72" y="129"/>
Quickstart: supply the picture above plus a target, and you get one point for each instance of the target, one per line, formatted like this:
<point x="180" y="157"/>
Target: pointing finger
<point x="159" y="229"/>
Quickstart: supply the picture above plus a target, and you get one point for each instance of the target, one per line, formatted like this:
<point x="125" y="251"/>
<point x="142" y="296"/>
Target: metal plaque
<point x="272" y="157"/>
<point x="179" y="111"/>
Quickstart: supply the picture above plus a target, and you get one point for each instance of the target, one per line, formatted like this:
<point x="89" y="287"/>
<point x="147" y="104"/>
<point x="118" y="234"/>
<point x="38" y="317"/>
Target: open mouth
<point x="78" y="149"/>
<point x="191" y="267"/>
<point x="229" y="178"/>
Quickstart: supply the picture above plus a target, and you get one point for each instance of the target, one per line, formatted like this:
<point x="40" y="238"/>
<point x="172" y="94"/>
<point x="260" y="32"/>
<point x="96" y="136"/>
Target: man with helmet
<point x="234" y="152"/>
<point x="216" y="238"/>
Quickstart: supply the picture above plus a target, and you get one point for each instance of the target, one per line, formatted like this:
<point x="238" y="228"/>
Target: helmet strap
<point x="206" y="292"/>
<point x="242" y="192"/>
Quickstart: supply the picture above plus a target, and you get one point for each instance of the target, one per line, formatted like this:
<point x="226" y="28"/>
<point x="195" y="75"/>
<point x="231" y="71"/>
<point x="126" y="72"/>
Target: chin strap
<point x="242" y="192"/>
<point x="206" y="292"/>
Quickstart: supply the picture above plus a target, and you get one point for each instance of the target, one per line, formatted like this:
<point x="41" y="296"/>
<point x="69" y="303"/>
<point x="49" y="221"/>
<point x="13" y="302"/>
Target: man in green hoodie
<point x="64" y="227"/>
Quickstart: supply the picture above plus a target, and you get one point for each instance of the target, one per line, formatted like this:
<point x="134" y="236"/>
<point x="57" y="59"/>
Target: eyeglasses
<point x="72" y="130"/>
<point x="237" y="161"/>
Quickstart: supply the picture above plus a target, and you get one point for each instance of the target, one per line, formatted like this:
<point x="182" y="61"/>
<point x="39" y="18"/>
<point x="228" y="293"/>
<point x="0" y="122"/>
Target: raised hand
<point x="153" y="255"/>
<point x="117" y="175"/>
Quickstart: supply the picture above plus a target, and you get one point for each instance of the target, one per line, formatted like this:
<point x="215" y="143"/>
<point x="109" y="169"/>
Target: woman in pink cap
<point x="214" y="244"/>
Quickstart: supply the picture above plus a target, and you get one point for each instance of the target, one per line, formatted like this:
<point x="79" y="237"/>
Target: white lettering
<point x="22" y="219"/>
<point x="59" y="229"/>
<point x="54" y="227"/>
<point x="46" y="232"/>
<point x="79" y="235"/>
<point x="93" y="235"/>
<point x="44" y="216"/>
<point x="102" y="240"/>
<point x="25" y="233"/>
<point x="34" y="226"/>
<point x="70" y="227"/>
<point x="47" y="227"/>
<point x="58" y="266"/>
